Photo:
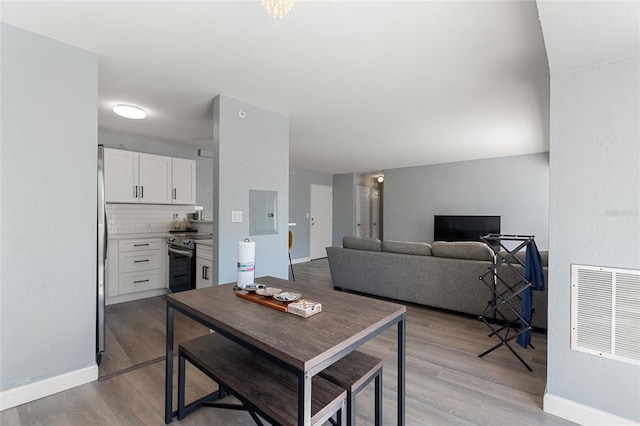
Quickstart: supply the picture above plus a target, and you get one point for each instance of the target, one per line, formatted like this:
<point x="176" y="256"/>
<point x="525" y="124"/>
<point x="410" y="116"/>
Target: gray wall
<point x="142" y="144"/>
<point x="48" y="204"/>
<point x="253" y="153"/>
<point x="344" y="206"/>
<point x="299" y="206"/>
<point x="515" y="188"/>
<point x="595" y="185"/>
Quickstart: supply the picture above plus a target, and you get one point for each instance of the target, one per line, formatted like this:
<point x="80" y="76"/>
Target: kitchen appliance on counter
<point x="182" y="260"/>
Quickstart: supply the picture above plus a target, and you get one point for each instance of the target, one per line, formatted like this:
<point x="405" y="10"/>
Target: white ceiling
<point x="367" y="86"/>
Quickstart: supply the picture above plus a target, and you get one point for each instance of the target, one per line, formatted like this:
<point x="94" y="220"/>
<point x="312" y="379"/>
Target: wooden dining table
<point x="305" y="346"/>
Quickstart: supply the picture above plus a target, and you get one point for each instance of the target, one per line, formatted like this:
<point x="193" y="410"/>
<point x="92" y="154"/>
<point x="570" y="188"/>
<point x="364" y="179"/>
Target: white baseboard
<point x="301" y="260"/>
<point x="32" y="391"/>
<point x="580" y="413"/>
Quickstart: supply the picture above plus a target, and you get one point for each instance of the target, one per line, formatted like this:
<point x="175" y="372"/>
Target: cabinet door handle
<point x="135" y="191"/>
<point x="141" y="281"/>
<point x="141" y="191"/>
<point x="138" y="261"/>
<point x="140" y="245"/>
<point x="206" y="272"/>
<point x="175" y="193"/>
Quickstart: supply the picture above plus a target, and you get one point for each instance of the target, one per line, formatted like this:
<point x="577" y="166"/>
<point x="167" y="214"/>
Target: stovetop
<point x="187" y="240"/>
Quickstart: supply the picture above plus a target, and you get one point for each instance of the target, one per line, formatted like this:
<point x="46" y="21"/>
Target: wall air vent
<point x="605" y="312"/>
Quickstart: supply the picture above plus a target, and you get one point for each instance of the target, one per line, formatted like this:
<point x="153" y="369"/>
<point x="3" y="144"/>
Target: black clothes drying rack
<point x="503" y="313"/>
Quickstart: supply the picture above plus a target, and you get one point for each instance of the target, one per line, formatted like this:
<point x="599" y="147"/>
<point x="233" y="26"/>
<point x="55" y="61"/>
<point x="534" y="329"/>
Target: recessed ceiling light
<point x="130" y="111"/>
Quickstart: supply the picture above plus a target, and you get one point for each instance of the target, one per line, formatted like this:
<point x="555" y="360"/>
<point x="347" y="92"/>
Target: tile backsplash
<point x="142" y="218"/>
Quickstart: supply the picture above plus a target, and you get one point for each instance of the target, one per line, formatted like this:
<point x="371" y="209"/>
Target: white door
<point x="362" y="211"/>
<point x="155" y="179"/>
<point x="375" y="213"/>
<point x="321" y="221"/>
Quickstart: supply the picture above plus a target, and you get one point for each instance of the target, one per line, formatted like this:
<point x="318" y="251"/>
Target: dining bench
<point x="353" y="373"/>
<point x="262" y="386"/>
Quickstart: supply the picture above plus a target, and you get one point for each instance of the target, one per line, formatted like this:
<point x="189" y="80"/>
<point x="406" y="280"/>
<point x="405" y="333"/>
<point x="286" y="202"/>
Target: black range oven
<point x="182" y="261"/>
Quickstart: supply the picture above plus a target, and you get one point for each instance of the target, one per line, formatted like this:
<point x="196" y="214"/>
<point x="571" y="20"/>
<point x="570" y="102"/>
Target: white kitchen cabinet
<point x="137" y="268"/>
<point x="121" y="176"/>
<point x="139" y="281"/>
<point x="155" y="179"/>
<point x="184" y="181"/>
<point x="204" y="263"/>
<point x="139" y="261"/>
<point x="133" y="177"/>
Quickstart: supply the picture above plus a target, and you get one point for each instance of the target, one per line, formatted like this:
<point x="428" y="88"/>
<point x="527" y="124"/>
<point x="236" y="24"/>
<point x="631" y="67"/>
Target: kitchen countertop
<point x="205" y="242"/>
<point x="148" y="235"/>
<point x="140" y="235"/>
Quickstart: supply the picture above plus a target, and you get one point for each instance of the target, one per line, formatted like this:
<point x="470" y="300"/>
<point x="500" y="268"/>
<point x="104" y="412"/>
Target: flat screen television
<point x="464" y="228"/>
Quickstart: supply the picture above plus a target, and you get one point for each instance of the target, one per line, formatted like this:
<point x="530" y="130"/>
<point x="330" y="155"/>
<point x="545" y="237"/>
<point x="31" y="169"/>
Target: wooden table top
<point x="304" y="343"/>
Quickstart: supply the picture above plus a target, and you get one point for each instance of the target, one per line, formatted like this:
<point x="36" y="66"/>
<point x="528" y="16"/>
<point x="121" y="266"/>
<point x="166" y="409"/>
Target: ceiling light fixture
<point x="380" y="178"/>
<point x="277" y="8"/>
<point x="130" y="111"/>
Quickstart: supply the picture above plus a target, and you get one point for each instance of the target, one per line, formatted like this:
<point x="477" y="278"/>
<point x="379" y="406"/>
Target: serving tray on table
<point x="263" y="300"/>
<point x="302" y="308"/>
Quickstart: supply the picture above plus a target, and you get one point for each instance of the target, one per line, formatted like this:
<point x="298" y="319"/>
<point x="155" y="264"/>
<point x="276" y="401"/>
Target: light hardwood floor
<point x="447" y="384"/>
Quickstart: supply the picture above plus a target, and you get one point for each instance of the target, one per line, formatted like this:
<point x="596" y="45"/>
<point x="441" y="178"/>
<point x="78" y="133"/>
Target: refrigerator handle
<point x="105" y="235"/>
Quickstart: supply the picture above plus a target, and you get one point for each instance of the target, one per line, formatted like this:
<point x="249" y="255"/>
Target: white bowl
<point x="268" y="291"/>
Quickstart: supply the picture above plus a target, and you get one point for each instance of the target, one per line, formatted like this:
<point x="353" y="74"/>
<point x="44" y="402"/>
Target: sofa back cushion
<point x="401" y="247"/>
<point x="462" y="250"/>
<point x="359" y="243"/>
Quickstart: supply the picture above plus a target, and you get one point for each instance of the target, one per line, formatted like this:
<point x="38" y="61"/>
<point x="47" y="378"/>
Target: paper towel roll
<point x="246" y="261"/>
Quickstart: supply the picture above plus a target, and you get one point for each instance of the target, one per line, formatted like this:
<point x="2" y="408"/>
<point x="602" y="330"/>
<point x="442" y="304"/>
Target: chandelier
<point x="277" y="8"/>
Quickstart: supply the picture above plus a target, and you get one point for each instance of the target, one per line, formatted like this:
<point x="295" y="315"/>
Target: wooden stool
<point x="353" y="373"/>
<point x="262" y="386"/>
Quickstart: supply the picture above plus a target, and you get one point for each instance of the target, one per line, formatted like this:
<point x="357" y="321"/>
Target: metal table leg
<point x="304" y="399"/>
<point x="402" y="329"/>
<point x="168" y="387"/>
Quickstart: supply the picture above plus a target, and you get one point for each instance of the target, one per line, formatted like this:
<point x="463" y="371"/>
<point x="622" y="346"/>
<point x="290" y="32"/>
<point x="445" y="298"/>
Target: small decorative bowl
<point x="268" y="291"/>
<point x="287" y="297"/>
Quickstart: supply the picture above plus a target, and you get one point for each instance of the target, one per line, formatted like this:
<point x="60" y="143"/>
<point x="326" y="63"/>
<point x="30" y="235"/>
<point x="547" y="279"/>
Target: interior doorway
<point x="362" y="212"/>
<point x="321" y="220"/>
<point x="375" y="213"/>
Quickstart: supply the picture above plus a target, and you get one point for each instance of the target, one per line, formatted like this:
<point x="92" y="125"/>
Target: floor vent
<point x="605" y="312"/>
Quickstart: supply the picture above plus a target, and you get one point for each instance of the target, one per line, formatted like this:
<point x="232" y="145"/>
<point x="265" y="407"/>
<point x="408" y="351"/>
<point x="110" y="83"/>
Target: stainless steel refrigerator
<point x="102" y="258"/>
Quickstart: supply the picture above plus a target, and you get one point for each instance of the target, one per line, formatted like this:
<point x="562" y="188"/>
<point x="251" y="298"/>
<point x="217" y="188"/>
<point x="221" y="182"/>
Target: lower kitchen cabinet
<point x="204" y="263"/>
<point x="136" y="269"/>
<point x="139" y="281"/>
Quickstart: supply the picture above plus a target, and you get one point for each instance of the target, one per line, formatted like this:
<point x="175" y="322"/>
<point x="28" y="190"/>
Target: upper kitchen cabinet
<point x="132" y="177"/>
<point x="155" y="179"/>
<point x="122" y="183"/>
<point x="184" y="181"/>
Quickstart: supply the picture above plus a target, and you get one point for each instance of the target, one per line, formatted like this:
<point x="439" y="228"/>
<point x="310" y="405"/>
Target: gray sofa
<point x="442" y="275"/>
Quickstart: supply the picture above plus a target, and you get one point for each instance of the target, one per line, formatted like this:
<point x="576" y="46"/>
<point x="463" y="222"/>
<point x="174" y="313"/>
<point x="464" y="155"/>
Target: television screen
<point x="464" y="228"/>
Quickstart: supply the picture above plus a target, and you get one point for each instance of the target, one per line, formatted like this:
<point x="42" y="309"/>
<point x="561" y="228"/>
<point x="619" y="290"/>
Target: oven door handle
<point x="188" y="253"/>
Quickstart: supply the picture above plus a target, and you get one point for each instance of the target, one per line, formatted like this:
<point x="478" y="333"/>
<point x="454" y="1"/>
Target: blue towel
<point x="532" y="273"/>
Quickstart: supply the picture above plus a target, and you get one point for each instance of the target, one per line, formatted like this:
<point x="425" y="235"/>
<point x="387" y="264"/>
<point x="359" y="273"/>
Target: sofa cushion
<point x="358" y="243"/>
<point x="402" y="247"/>
<point x="462" y="250"/>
